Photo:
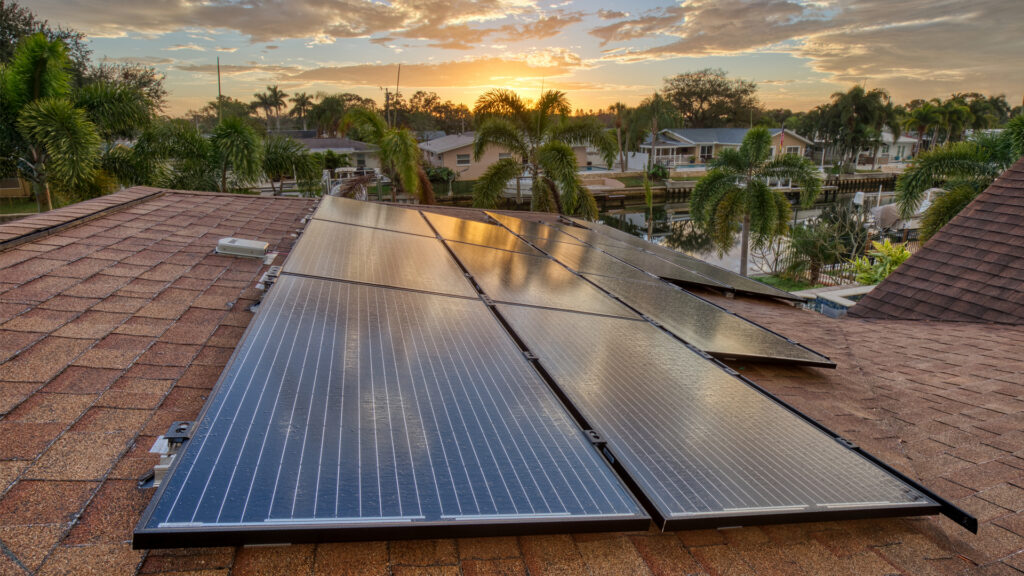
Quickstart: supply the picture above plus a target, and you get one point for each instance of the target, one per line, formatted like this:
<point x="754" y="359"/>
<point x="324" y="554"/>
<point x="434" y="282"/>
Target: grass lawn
<point x="785" y="283"/>
<point x="17" y="206"/>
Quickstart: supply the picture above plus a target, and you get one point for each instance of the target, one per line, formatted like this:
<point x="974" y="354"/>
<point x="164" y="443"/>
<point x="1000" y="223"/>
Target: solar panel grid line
<point x="709" y="490"/>
<point x="477" y="233"/>
<point x="408" y="361"/>
<point x="370" y="215"/>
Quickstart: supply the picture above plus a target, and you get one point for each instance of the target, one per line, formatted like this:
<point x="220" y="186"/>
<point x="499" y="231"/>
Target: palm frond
<point x="958" y="160"/>
<point x="558" y="162"/>
<point x="38" y="69"/>
<point x="238" y="148"/>
<point x="757" y="145"/>
<point x="498" y="131"/>
<point x="709" y="191"/>
<point x="589" y="131"/>
<point x="369" y="123"/>
<point x="502" y="102"/>
<point x="489" y="186"/>
<point x="117" y="110"/>
<point x="730" y="159"/>
<point x="800" y="170"/>
<point x="70" y="140"/>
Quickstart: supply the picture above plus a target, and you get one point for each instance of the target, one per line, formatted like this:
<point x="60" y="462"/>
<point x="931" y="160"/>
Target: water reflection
<point x="670" y="226"/>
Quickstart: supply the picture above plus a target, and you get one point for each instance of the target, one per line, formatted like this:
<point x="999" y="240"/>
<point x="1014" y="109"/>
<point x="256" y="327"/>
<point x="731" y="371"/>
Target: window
<point x="503" y="155"/>
<point x="885" y="148"/>
<point x="706" y="152"/>
<point x="462" y="159"/>
<point x="360" y="161"/>
<point x="792" y="150"/>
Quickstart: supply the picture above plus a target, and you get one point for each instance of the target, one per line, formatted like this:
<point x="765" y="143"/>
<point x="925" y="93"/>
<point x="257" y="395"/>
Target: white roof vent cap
<point x="242" y="247"/>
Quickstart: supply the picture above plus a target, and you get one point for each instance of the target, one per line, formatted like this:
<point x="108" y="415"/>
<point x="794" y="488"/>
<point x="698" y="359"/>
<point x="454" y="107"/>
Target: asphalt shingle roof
<point x="970" y="271"/>
<point x="112" y="329"/>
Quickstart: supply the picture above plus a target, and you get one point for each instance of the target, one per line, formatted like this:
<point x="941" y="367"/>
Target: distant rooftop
<point x="446" y="143"/>
<point x="335" y="144"/>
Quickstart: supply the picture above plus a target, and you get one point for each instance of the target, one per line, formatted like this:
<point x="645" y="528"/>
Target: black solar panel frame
<point x="212" y="536"/>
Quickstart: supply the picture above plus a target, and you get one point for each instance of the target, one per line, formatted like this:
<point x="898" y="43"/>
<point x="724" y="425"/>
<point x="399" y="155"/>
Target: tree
<point x="144" y="79"/>
<point x="398" y="151"/>
<point x="922" y="119"/>
<point x="964" y="169"/>
<point x="54" y="141"/>
<point x="276" y="99"/>
<point x="620" y="111"/>
<point x="859" y="112"/>
<point x="301" y="104"/>
<point x="263" y="102"/>
<point x="709" y="99"/>
<point x="650" y="117"/>
<point x="283" y="157"/>
<point x="736" y="190"/>
<point x="540" y="137"/>
<point x="236" y="151"/>
<point x="17" y="22"/>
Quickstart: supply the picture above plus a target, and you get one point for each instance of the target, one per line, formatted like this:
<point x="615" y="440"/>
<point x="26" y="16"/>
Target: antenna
<point x="397" y="79"/>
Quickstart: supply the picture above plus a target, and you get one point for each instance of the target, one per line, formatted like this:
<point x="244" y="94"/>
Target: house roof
<point x="447" y="143"/>
<point x="728" y="136"/>
<point x="336" y="144"/>
<point x="970" y="271"/>
<point x="120" y="323"/>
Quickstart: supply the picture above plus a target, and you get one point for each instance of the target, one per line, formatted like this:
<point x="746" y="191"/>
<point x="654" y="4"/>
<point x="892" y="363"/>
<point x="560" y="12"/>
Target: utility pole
<point x="218" y="89"/>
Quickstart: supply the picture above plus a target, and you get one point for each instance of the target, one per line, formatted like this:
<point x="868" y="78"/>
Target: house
<point x="685" y="146"/>
<point x="117" y="319"/>
<point x="901" y="150"/>
<point x="455" y="152"/>
<point x="363" y="155"/>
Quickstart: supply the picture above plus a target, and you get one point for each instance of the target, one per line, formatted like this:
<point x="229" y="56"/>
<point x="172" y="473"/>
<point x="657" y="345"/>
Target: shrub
<point x="658" y="172"/>
<point x="880" y="262"/>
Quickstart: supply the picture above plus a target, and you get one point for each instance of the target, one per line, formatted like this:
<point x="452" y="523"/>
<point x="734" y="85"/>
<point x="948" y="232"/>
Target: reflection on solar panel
<point x="657" y="266"/>
<point x="531" y="229"/>
<point x="737" y="282"/>
<point x="348" y="211"/>
<point x="593" y="238"/>
<point x="363" y="412"/>
<point x="358" y="254"/>
<point x="534" y="280"/>
<point x="585" y="259"/>
<point x="707" y="326"/>
<point x="704" y="447"/>
<point x="479" y="233"/>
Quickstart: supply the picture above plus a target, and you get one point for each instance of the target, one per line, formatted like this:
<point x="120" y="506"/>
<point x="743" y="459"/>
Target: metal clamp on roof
<point x="595" y="438"/>
<point x="846" y="443"/>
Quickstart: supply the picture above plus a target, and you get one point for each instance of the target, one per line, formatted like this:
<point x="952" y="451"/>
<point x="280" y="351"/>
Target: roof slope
<point x="729" y="136"/>
<point x="447" y="143"/>
<point x="971" y="271"/>
<point x="111" y="330"/>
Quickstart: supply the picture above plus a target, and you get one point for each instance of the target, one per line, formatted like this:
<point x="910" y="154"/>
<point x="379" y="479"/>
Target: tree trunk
<point x="618" y="140"/>
<point x="42" y="193"/>
<point x="744" y="244"/>
<point x="303" y="123"/>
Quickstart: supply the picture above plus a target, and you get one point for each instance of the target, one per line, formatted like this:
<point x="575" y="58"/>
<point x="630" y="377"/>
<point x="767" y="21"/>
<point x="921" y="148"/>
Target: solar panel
<point x="737" y="282"/>
<point x="372" y="256"/>
<point x="479" y="233"/>
<point x="529" y="229"/>
<point x="707" y="326"/>
<point x="585" y="259"/>
<point x="360" y="412"/>
<point x="371" y="214"/>
<point x="593" y="238"/>
<point x="721" y="275"/>
<point x="533" y="280"/>
<point x="704" y="447"/>
<point x="657" y="266"/>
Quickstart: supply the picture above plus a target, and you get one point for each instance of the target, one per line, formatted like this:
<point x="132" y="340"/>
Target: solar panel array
<point x="699" y="442"/>
<point x="383" y="391"/>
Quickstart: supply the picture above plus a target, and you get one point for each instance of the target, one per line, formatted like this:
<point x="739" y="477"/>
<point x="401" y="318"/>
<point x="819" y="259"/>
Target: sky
<point x="798" y="51"/>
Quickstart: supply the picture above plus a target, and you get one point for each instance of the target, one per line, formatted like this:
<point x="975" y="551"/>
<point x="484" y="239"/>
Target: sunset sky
<point x="598" y="51"/>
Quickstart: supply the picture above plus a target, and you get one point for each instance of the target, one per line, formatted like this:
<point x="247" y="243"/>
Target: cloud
<point x="611" y="14"/>
<point x="144" y="60"/>
<point x="911" y="46"/>
<point x="186" y="47"/>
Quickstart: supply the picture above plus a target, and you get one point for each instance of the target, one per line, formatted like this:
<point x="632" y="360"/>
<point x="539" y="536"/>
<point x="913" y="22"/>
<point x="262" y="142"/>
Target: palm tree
<point x="283" y="157"/>
<point x="858" y="112"/>
<point x="653" y="114"/>
<point x="620" y="110"/>
<point x="540" y="137"/>
<point x="398" y="151"/>
<point x="277" y="99"/>
<point x="962" y="168"/>
<point x="302" y="103"/>
<point x="956" y="117"/>
<point x="262" y="102"/>
<point x="236" y="148"/>
<point x="921" y="120"/>
<point x="736" y="190"/>
<point x="53" y="140"/>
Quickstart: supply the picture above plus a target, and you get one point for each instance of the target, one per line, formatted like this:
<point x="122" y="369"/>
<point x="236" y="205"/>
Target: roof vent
<point x="242" y="247"/>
